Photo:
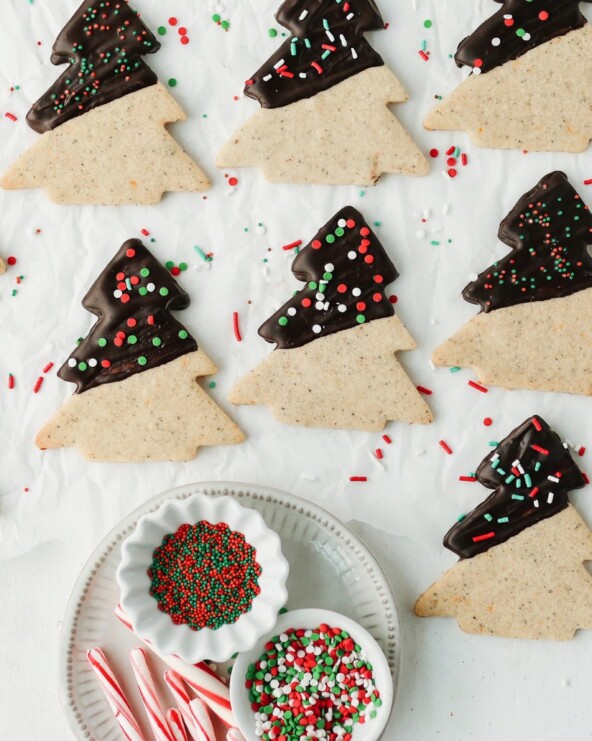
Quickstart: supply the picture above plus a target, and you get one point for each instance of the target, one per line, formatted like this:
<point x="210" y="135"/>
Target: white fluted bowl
<point x="157" y="627"/>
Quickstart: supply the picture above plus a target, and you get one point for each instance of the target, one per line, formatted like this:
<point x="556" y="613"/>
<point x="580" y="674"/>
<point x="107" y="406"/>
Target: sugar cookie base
<point x="2" y="266"/>
<point x="119" y="153"/>
<point x="541" y="101"/>
<point x="543" y="346"/>
<point x="350" y="379"/>
<point x="158" y="415"/>
<point x="534" y="585"/>
<point x="345" y="135"/>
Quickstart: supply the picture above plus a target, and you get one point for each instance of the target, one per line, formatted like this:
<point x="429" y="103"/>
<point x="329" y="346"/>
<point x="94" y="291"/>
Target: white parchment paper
<point x="56" y="494"/>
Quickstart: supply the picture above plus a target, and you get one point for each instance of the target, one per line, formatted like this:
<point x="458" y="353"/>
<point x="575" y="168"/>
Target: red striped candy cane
<point x="176" y="724"/>
<point x="115" y="695"/>
<point x="154" y="711"/>
<point x="234" y="735"/>
<point x="201" y="715"/>
<point x="183" y="700"/>
<point x="206" y="684"/>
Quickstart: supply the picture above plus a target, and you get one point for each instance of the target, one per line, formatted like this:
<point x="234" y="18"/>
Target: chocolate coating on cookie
<point x="517" y="27"/>
<point x="326" y="46"/>
<point x="550" y="233"/>
<point x="532" y="472"/>
<point x="347" y="270"/>
<point x="103" y="43"/>
<point x="135" y="331"/>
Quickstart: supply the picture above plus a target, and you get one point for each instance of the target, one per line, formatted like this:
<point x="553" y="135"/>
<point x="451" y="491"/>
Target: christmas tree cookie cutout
<point x="521" y="572"/>
<point x="137" y="396"/>
<point x="324" y="97"/>
<point x="334" y="364"/>
<point x="103" y="122"/>
<point x="529" y="89"/>
<point x="535" y="327"/>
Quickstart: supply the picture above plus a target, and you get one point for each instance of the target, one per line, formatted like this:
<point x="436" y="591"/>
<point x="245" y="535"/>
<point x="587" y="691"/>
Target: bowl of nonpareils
<point x="202" y="578"/>
<point x="316" y="675"/>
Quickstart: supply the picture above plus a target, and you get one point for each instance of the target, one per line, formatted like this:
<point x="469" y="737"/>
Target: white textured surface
<point x="459" y="687"/>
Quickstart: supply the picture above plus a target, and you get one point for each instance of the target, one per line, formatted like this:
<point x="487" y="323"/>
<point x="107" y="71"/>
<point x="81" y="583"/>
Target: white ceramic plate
<point x="311" y="619"/>
<point x="329" y="568"/>
<point x="156" y="627"/>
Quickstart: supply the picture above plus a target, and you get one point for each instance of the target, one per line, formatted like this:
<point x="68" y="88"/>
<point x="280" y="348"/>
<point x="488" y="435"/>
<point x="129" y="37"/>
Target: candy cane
<point x="200" y="713"/>
<point x="154" y="711"/>
<point x="176" y="724"/>
<point x="114" y="694"/>
<point x="192" y="721"/>
<point x="234" y="735"/>
<point x="202" y="680"/>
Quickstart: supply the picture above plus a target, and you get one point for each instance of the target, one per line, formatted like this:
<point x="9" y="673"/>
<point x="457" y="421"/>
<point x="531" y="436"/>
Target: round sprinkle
<point x="427" y="23"/>
<point x="172" y="82"/>
<point x="183" y="334"/>
<point x="142" y="360"/>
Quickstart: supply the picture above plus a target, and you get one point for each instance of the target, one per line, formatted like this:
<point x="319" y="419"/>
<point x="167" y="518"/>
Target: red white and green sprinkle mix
<point x="312" y="684"/>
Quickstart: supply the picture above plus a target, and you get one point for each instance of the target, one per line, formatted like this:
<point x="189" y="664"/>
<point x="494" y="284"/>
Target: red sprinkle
<point x="434" y="153"/>
<point x="184" y="40"/>
<point x="588" y="181"/>
<point x="464" y="160"/>
<point x="452" y="172"/>
<point x="48" y="367"/>
<point x="445" y="447"/>
<point x="424" y="390"/>
<point x="585" y="477"/>
<point x="467" y="478"/>
<point x="478" y="386"/>
<point x="581" y="451"/>
<point x="11" y="260"/>
<point x="536" y="424"/>
<point x="487" y="421"/>
<point x="11" y="116"/>
<point x="539" y="449"/>
<point x="358" y="478"/>
<point x="450" y="151"/>
<point x="378" y="453"/>
<point x="534" y="492"/>
<point x="387" y="439"/>
<point x="423" y="55"/>
<point x="292" y="245"/>
<point x="451" y="161"/>
<point x="233" y="181"/>
<point x="235" y="324"/>
<point x="173" y="21"/>
<point x="10" y="381"/>
<point x="182" y="31"/>
<point x="145" y="232"/>
<point x="37" y="385"/>
<point x="487" y="536"/>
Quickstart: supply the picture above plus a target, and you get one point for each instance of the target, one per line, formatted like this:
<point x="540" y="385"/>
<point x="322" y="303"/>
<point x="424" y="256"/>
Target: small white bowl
<point x="311" y="619"/>
<point x="157" y="627"/>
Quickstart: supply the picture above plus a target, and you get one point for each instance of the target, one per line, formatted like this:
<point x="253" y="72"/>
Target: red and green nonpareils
<point x="311" y="684"/>
<point x="204" y="575"/>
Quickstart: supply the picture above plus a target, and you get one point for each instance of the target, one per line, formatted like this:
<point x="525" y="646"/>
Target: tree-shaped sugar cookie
<point x="521" y="572"/>
<point x="324" y="97"/>
<point x="103" y="121"/>
<point x="535" y="327"/>
<point x="137" y="396"/>
<point x="334" y="364"/>
<point x="529" y="89"/>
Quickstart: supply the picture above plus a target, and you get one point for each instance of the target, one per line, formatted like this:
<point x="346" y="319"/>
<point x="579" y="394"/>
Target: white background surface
<point x="454" y="686"/>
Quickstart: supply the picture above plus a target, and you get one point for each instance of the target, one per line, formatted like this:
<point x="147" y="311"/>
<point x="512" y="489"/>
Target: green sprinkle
<point x="144" y="272"/>
<point x="132" y="339"/>
<point x="360" y="319"/>
<point x="142" y="360"/>
<point x="156" y="341"/>
<point x="101" y="342"/>
<point x="427" y="23"/>
<point x="455" y="369"/>
<point x="182" y="266"/>
<point x="183" y="334"/>
<point x="501" y="520"/>
<point x="518" y="497"/>
<point x="488" y="517"/>
<point x="164" y="291"/>
<point x="82" y="365"/>
<point x="162" y="30"/>
<point x="172" y="82"/>
<point x="282" y="321"/>
<point x="272" y="33"/>
<point x="212" y="384"/>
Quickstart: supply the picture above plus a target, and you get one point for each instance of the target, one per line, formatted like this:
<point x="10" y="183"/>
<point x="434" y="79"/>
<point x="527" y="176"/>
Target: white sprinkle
<point x="302" y="75"/>
<point x="92" y="362"/>
<point x="118" y="293"/>
<point x="536" y="502"/>
<point x="495" y="41"/>
<point x="476" y="70"/>
<point x="150" y="287"/>
<point x="317" y="328"/>
<point x="349" y="16"/>
<point x="420" y="451"/>
<point x="472" y="277"/>
<point x="303" y="15"/>
<point x="267" y="78"/>
<point x="291" y="311"/>
<point x="356" y="292"/>
<point x="72" y="363"/>
<point x="436" y="229"/>
<point x="445" y="175"/>
<point x="554" y="479"/>
<point x="319" y="306"/>
<point x="354" y="54"/>
<point x="329" y="267"/>
<point x="330" y="36"/>
<point x="342" y="308"/>
<point x="526" y="37"/>
<point x="432" y="365"/>
<point x="260" y="229"/>
<point x="341" y="223"/>
<point x="278" y="64"/>
<point x="320" y="297"/>
<point x="342" y="39"/>
<point x="446" y="209"/>
<point x="420" y="234"/>
<point x="352" y="255"/>
<point x="425" y="214"/>
<point x="550" y="497"/>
